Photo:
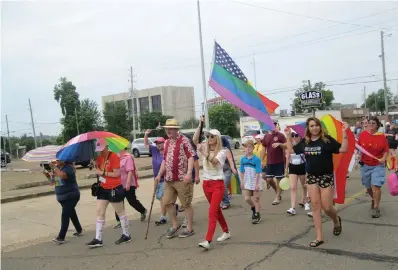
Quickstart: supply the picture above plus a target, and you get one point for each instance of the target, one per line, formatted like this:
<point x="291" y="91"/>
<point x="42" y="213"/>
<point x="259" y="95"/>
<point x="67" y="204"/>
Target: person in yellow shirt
<point x="258" y="148"/>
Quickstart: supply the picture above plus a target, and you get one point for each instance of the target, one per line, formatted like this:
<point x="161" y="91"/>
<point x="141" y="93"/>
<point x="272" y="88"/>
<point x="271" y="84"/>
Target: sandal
<point x="337" y="230"/>
<point x="224" y="207"/>
<point x="316" y="243"/>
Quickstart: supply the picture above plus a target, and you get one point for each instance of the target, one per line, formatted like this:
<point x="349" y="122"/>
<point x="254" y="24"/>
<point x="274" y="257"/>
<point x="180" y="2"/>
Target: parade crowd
<point x="268" y="159"/>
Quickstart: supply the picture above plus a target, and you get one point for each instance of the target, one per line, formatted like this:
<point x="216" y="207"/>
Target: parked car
<point x="251" y="133"/>
<point x="5" y="158"/>
<point x="234" y="143"/>
<point x="138" y="147"/>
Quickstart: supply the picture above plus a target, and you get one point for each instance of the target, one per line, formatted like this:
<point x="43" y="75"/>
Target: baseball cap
<point x="214" y="132"/>
<point x="249" y="142"/>
<point x="159" y="140"/>
<point x="100" y="145"/>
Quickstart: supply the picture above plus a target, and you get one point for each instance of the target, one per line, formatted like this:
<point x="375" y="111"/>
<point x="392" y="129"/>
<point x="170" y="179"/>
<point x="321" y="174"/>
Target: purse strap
<point x="103" y="165"/>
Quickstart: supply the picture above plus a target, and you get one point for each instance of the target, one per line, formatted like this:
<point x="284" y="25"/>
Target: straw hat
<point x="171" y="123"/>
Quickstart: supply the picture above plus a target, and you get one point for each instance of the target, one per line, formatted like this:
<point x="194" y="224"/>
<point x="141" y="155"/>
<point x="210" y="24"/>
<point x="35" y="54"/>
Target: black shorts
<point x="264" y="169"/>
<point x="322" y="181"/>
<point x="275" y="170"/>
<point x="297" y="169"/>
<point x="112" y="195"/>
<point x="392" y="145"/>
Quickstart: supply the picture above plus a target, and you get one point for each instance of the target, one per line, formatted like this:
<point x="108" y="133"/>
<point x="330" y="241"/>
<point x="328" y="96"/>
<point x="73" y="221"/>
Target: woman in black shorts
<point x="318" y="149"/>
<point x="297" y="171"/>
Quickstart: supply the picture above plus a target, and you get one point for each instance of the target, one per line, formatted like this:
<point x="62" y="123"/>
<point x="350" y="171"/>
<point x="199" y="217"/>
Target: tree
<point x="224" y="118"/>
<point x="89" y="117"/>
<point x="327" y="94"/>
<point x="375" y="101"/>
<point x="190" y="123"/>
<point x="67" y="97"/>
<point x="151" y="120"/>
<point x="117" y="119"/>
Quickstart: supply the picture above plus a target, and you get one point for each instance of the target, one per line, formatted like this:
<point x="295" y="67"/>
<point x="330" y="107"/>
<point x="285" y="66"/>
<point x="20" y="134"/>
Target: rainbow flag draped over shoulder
<point x="341" y="161"/>
<point x="228" y="80"/>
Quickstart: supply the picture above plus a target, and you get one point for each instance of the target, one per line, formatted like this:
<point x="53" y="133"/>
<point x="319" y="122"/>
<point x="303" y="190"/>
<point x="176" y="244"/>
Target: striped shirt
<point x="250" y="168"/>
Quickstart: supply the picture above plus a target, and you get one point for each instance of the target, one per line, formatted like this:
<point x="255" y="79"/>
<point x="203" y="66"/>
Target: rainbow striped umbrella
<point x="45" y="153"/>
<point x="81" y="147"/>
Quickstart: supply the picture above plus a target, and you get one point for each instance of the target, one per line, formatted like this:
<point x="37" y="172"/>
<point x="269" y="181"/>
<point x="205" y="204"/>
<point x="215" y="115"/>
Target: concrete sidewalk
<point x="279" y="242"/>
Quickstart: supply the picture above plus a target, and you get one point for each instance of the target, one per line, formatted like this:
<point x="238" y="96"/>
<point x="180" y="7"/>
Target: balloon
<point x="284" y="184"/>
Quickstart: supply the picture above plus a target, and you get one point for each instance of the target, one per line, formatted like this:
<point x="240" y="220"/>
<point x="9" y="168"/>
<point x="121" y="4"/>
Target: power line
<point x="307" y="16"/>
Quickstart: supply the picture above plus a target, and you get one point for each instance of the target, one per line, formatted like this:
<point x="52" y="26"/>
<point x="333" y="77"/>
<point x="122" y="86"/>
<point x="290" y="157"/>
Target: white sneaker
<point x="291" y="211"/>
<point x="307" y="207"/>
<point x="205" y="244"/>
<point x="224" y="237"/>
<point x="309" y="214"/>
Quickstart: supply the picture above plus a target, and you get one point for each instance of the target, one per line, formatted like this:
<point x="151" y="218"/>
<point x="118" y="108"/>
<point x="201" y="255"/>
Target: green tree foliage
<point x="375" y="101"/>
<point x="225" y="118"/>
<point x="89" y="117"/>
<point x="117" y="119"/>
<point x="151" y="121"/>
<point x="328" y="96"/>
<point x="190" y="123"/>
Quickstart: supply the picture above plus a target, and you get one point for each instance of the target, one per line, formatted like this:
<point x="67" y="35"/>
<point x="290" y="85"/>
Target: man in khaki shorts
<point x="177" y="169"/>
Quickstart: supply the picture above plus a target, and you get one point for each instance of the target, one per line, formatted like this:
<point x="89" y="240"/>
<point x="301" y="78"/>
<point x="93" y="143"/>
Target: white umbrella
<point x="45" y="153"/>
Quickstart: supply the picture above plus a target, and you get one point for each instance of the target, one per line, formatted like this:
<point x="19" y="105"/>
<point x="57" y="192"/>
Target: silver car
<point x="138" y="147"/>
<point x="234" y="143"/>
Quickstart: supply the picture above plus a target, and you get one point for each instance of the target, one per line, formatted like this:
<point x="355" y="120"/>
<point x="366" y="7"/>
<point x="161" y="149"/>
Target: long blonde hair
<point x="217" y="149"/>
<point x="322" y="131"/>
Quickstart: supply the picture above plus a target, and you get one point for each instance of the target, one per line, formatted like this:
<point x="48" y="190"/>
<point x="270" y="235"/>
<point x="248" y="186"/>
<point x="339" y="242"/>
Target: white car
<point x="251" y="133"/>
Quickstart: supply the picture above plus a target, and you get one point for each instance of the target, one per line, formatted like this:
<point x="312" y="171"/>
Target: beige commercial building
<point x="176" y="101"/>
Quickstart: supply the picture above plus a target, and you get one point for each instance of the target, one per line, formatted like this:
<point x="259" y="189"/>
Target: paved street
<point x="279" y="242"/>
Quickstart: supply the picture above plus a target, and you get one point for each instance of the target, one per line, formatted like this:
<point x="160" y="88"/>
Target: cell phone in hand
<point x="47" y="167"/>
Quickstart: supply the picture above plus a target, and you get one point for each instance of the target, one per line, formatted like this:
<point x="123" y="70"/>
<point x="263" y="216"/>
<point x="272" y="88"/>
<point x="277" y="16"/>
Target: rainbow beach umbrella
<point x="45" y="153"/>
<point x="82" y="147"/>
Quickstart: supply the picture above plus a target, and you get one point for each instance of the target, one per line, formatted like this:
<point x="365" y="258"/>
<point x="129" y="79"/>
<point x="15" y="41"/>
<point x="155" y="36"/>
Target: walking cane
<point x="150" y="212"/>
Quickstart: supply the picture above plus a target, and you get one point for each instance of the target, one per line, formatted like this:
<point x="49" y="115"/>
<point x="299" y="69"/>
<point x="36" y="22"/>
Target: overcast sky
<point x="94" y="43"/>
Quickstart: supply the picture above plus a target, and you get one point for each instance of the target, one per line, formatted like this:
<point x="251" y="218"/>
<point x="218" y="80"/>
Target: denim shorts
<point x="159" y="190"/>
<point x="373" y="175"/>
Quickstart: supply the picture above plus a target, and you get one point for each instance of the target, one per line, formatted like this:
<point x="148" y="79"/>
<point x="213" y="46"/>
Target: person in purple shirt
<point x="156" y="150"/>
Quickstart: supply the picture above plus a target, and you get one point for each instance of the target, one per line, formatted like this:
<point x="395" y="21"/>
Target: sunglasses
<point x="210" y="136"/>
<point x="295" y="135"/>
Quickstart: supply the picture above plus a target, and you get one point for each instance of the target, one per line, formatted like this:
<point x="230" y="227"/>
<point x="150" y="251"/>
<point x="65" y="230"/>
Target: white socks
<point x="99" y="228"/>
<point x="124" y="221"/>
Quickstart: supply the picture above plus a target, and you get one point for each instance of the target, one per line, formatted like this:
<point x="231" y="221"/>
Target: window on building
<point x="156" y="103"/>
<point x="144" y="105"/>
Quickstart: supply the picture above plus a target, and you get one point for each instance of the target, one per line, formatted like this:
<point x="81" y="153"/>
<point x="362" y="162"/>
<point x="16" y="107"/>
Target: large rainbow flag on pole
<point x="228" y="80"/>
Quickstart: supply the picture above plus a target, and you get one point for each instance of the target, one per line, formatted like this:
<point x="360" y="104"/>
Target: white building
<point x="176" y="101"/>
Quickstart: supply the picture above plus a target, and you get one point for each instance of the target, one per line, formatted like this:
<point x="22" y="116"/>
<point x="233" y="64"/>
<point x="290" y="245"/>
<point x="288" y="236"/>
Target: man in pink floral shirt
<point x="177" y="169"/>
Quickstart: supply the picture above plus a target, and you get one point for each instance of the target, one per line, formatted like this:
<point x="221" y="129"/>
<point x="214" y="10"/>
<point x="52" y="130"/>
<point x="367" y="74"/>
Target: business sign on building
<point x="311" y="99"/>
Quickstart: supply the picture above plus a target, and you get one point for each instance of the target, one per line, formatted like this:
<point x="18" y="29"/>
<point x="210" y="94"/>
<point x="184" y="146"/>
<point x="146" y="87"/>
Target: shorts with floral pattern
<point x="322" y="181"/>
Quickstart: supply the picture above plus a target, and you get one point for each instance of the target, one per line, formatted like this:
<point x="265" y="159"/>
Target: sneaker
<point x="185" y="233"/>
<point x="143" y="215"/>
<point x="171" y="232"/>
<point x="118" y="225"/>
<point x="376" y="213"/>
<point x="224" y="236"/>
<point x="95" y="243"/>
<point x="78" y="234"/>
<point x="185" y="223"/>
<point x="205" y="244"/>
<point x="291" y="211"/>
<point x="59" y="241"/>
<point x="123" y="239"/>
<point x="161" y="221"/>
<point x="309" y="214"/>
<point x="307" y="207"/>
<point x="257" y="219"/>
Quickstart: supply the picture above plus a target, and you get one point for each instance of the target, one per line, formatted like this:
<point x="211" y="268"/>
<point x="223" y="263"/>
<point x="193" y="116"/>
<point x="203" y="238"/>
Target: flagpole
<point x="203" y="71"/>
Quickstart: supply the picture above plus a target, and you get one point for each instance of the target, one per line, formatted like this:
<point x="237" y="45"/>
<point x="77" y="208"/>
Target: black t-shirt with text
<point x="318" y="154"/>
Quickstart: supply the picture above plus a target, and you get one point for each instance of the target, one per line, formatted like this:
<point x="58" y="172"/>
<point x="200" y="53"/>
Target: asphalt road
<point x="279" y="242"/>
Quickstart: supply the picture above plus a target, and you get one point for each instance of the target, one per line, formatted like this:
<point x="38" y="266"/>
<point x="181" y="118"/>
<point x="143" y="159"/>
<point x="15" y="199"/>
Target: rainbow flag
<point x="234" y="185"/>
<point x="228" y="80"/>
<point x="341" y="162"/>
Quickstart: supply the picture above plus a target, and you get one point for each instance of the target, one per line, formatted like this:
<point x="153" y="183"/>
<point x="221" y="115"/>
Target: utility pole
<point x="364" y="96"/>
<point x="33" y="124"/>
<point x="77" y="123"/>
<point x="133" y="97"/>
<point x="41" y="139"/>
<point x="203" y="71"/>
<point x="376" y="103"/>
<point x="309" y="85"/>
<point x="8" y="136"/>
<point x="255" y="75"/>
<point x="384" y="73"/>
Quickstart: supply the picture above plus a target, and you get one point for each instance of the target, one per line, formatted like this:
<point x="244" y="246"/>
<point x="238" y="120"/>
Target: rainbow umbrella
<point x="45" y="153"/>
<point x="82" y="147"/>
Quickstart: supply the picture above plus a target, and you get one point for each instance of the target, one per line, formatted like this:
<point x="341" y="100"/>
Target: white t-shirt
<point x="214" y="172"/>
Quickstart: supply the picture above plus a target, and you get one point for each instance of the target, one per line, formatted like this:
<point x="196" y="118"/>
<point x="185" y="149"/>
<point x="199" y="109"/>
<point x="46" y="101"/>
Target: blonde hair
<point x="217" y="149"/>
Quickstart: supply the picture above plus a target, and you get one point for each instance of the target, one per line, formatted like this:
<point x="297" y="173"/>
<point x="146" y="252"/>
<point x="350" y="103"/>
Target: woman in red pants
<point x="213" y="183"/>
